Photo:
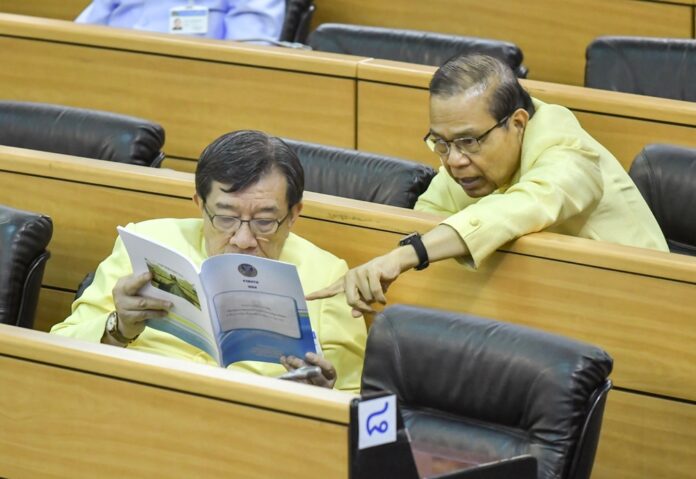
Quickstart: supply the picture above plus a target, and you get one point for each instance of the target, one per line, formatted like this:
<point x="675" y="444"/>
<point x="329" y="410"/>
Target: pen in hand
<point x="305" y="372"/>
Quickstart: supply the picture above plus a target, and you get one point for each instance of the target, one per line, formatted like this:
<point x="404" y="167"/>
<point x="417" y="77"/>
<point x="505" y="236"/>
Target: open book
<point x="237" y="308"/>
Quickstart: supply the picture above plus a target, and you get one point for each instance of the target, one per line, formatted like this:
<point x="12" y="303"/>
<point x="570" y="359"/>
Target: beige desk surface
<point x="82" y="410"/>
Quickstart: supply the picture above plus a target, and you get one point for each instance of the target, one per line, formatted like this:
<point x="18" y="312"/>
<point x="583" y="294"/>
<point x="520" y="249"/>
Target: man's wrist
<point x="113" y="330"/>
<point x="406" y="257"/>
<point x="415" y="243"/>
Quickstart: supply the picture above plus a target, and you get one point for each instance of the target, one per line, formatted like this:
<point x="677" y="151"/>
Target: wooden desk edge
<point x="573" y="97"/>
<point x="93" y="358"/>
<point x="277" y="58"/>
<point x="548" y="246"/>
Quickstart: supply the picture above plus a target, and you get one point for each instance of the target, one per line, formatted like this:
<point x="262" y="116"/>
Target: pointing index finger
<point x="327" y="292"/>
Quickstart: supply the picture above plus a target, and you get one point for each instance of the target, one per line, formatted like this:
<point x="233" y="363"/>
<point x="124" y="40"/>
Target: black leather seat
<point x="662" y="67"/>
<point x="666" y="177"/>
<point x="298" y="16"/>
<point x="362" y="176"/>
<point x="81" y="132"/>
<point x="24" y="237"/>
<point x="490" y="390"/>
<point x="411" y="46"/>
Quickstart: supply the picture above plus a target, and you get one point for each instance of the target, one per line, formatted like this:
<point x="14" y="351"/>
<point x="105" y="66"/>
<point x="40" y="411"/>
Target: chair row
<point x="347" y="101"/>
<point x="660" y="67"/>
<point x="665" y="174"/>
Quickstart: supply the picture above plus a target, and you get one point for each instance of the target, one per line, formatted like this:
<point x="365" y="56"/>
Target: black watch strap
<point x="414" y="239"/>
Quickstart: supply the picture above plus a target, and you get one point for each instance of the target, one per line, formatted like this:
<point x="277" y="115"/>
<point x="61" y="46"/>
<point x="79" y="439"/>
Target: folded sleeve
<point x="563" y="182"/>
<point x="89" y="311"/>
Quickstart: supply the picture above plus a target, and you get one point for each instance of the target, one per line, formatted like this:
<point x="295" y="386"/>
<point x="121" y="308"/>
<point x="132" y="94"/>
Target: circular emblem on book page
<point x="247" y="270"/>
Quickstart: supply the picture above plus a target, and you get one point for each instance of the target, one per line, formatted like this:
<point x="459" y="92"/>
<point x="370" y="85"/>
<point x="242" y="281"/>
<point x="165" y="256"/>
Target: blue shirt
<point x="228" y="19"/>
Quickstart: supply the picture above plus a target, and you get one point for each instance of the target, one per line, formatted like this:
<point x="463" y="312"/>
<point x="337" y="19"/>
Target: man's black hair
<point x="464" y="72"/>
<point x="241" y="158"/>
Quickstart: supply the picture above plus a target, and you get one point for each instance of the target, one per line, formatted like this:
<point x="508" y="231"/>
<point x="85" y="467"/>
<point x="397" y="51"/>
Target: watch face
<point x="407" y="239"/>
<point x="111" y="323"/>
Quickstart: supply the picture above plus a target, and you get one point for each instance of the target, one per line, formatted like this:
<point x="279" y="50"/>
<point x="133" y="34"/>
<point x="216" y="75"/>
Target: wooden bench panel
<point x="553" y="35"/>
<point x="554" y="51"/>
<point x="643" y="437"/>
<point x="70" y="404"/>
<point x="53" y="307"/>
<point x="600" y="293"/>
<point x="637" y="304"/>
<point x="195" y="108"/>
<point x="224" y="86"/>
<point x="393" y="114"/>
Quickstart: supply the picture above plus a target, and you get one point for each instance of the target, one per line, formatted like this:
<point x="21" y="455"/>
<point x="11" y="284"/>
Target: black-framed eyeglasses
<point x="231" y="224"/>
<point x="465" y="144"/>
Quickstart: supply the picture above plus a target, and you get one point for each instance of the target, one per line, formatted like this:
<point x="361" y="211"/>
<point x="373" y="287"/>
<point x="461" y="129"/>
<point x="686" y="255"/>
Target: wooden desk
<point x="553" y="35"/>
<point x="393" y="113"/>
<point x="637" y="304"/>
<point x="196" y="89"/>
<point x="81" y="410"/>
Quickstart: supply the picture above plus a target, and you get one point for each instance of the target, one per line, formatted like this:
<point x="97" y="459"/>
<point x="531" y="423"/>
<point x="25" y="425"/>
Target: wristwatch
<point x="414" y="239"/>
<point x="113" y="331"/>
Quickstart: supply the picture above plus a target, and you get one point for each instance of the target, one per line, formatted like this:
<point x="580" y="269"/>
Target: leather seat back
<point x="24" y="237"/>
<point x="410" y="46"/>
<point x="298" y="15"/>
<point x="80" y="132"/>
<point x="490" y="390"/>
<point x="662" y="67"/>
<point x="362" y="176"/>
<point x="666" y="177"/>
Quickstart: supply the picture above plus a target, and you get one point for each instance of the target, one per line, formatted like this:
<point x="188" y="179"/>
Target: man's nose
<point x="457" y="159"/>
<point x="244" y="239"/>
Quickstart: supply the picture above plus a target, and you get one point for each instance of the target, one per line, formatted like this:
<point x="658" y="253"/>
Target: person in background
<point x="249" y="190"/>
<point x="257" y="20"/>
<point x="511" y="165"/>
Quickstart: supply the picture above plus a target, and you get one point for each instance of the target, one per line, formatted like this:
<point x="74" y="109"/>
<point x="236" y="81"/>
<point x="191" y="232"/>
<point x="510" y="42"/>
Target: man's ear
<point x="197" y="200"/>
<point x="519" y="120"/>
<point x="295" y="213"/>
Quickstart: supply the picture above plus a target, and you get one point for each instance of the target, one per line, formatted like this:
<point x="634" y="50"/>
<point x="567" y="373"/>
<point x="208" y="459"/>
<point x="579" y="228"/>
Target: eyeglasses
<point x="231" y="224"/>
<point x="465" y="144"/>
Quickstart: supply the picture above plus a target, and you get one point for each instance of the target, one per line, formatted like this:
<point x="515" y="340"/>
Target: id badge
<point x="189" y="20"/>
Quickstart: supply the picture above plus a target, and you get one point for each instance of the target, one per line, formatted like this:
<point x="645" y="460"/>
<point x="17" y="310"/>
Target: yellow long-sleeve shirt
<point x="567" y="183"/>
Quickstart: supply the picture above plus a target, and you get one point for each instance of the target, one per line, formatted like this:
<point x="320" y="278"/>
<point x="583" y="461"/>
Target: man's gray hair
<point x="465" y="73"/>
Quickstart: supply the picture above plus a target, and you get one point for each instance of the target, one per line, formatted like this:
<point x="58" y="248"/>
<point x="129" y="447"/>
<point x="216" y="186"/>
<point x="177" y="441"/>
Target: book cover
<point x="236" y="308"/>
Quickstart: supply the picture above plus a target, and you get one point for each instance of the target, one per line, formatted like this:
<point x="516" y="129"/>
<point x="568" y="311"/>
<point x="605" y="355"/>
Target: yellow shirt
<point x="341" y="336"/>
<point x="567" y="183"/>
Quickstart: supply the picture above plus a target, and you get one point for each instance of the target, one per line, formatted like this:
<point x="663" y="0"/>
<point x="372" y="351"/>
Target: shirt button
<point x="474" y="222"/>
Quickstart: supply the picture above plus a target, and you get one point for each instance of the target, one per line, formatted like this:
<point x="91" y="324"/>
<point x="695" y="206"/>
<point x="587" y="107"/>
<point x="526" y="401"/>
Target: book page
<point x="174" y="279"/>
<point x="260" y="308"/>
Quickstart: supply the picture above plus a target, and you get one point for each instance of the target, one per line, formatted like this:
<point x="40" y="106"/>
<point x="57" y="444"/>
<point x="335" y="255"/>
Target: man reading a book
<point x="249" y="191"/>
